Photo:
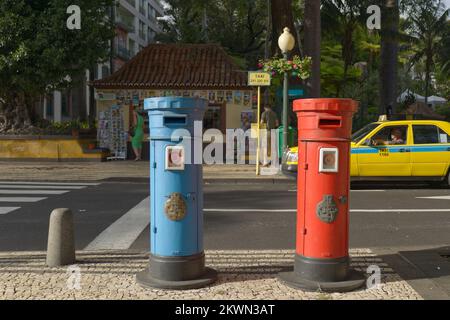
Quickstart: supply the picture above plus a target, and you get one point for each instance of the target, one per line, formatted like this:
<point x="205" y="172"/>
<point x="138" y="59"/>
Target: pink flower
<point x="295" y="66"/>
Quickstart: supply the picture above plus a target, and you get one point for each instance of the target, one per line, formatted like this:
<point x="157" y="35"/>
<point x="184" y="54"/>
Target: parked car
<point x="395" y="150"/>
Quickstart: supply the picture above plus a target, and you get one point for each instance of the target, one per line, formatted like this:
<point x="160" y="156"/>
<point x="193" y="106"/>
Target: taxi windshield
<point x="364" y="131"/>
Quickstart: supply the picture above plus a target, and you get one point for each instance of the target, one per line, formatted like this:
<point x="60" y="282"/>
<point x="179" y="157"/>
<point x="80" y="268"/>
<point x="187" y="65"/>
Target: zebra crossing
<point x="13" y="194"/>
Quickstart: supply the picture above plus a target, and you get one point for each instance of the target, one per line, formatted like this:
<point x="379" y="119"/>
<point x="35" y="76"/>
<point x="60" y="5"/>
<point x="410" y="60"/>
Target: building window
<point x="105" y="71"/>
<point x="141" y="30"/>
<point x="132" y="3"/>
<point x="149" y="36"/>
<point x="142" y="7"/>
<point x="131" y="47"/>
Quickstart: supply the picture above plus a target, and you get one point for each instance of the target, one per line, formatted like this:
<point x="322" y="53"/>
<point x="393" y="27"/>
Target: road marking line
<point x="352" y="210"/>
<point x="9" y="191"/>
<point x="123" y="232"/>
<point x="21" y="186"/>
<point x="436" y="198"/>
<point x="249" y="210"/>
<point x="50" y="183"/>
<point x="5" y="210"/>
<point x="21" y="199"/>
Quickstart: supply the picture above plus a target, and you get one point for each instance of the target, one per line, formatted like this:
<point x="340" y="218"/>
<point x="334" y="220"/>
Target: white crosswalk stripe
<point x="436" y="198"/>
<point x="50" y="183"/>
<point x="28" y="186"/>
<point x="122" y="233"/>
<point x="12" y="191"/>
<point x="16" y="193"/>
<point x="5" y="210"/>
<point x="21" y="199"/>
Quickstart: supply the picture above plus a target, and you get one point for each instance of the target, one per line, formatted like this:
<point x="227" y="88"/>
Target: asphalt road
<point x="245" y="216"/>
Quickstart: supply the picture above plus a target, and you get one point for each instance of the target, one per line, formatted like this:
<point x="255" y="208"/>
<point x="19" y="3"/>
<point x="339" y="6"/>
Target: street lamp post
<point x="286" y="42"/>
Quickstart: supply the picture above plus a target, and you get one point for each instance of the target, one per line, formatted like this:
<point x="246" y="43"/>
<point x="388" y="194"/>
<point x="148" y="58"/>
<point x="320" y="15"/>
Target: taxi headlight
<point x="291" y="156"/>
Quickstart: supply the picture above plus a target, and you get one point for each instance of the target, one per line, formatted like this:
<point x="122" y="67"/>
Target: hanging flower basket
<point x="297" y="67"/>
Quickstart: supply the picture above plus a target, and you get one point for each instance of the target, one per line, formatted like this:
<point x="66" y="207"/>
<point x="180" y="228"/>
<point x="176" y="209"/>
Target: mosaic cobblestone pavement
<point x="243" y="274"/>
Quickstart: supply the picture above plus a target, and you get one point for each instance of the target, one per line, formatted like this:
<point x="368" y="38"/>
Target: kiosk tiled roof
<point x="177" y="66"/>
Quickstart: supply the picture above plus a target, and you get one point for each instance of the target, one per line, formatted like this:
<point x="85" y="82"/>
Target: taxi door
<point x="431" y="150"/>
<point x="376" y="157"/>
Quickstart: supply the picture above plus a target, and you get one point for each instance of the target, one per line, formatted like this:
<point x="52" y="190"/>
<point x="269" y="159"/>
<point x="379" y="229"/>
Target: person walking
<point x="138" y="134"/>
<point x="269" y="119"/>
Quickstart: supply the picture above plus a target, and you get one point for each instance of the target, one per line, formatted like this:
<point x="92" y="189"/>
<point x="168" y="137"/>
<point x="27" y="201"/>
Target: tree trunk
<point x="312" y="44"/>
<point x="389" y="55"/>
<point x="16" y="112"/>
<point x="281" y="18"/>
<point x="347" y="50"/>
<point x="428" y="63"/>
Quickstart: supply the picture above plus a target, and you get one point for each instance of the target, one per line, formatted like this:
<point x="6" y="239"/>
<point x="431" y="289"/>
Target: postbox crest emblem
<point x="175" y="207"/>
<point x="327" y="209"/>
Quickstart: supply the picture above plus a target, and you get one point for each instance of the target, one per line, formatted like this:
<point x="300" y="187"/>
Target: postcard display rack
<point x="111" y="133"/>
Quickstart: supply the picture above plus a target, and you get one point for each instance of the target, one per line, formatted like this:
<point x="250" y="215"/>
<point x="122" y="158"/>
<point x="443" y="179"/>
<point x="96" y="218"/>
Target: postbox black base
<point x="177" y="273"/>
<point x="327" y="275"/>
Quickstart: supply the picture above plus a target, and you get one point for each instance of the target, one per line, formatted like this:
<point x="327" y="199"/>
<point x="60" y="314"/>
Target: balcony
<point x="142" y="10"/>
<point x="142" y="34"/>
<point x="126" y="23"/>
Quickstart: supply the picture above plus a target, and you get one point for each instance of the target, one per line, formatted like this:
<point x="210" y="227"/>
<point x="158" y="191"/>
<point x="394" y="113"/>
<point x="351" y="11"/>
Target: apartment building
<point x="136" y="26"/>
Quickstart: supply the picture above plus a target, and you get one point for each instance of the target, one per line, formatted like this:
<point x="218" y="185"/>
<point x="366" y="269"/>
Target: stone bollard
<point x="61" y="240"/>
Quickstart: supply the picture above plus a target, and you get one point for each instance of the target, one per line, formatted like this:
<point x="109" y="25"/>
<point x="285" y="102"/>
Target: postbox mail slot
<point x="175" y="120"/>
<point x="330" y="122"/>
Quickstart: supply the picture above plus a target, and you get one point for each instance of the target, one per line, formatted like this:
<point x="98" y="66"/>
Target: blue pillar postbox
<point x="177" y="259"/>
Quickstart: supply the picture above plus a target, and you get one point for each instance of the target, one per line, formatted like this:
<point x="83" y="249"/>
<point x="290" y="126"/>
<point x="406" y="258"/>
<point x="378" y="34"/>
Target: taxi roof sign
<point x="259" y="79"/>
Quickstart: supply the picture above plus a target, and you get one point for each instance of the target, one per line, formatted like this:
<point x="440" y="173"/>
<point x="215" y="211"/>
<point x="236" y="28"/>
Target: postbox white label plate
<point x="175" y="158"/>
<point x="329" y="160"/>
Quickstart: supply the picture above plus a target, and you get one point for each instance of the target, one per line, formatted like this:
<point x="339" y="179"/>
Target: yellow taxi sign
<point x="259" y="79"/>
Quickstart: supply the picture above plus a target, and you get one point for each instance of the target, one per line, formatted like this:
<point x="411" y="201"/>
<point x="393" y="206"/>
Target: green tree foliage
<point x="334" y="74"/>
<point x="341" y="20"/>
<point x="427" y="29"/>
<point x="239" y="26"/>
<point x="38" y="53"/>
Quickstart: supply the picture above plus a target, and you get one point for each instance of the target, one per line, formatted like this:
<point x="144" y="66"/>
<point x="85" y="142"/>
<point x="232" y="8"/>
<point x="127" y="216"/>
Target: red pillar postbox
<point x="324" y="135"/>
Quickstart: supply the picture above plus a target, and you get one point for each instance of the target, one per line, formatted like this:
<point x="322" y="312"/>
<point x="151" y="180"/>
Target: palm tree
<point x="390" y="18"/>
<point x="428" y="27"/>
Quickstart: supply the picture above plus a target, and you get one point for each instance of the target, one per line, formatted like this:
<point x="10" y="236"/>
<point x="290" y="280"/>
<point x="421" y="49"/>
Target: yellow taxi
<point x="395" y="150"/>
